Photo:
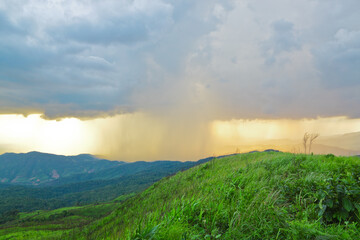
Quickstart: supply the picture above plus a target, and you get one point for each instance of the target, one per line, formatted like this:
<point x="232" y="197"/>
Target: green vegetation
<point x="55" y="223"/>
<point x="36" y="168"/>
<point x="24" y="198"/>
<point x="108" y="180"/>
<point x="44" y="170"/>
<point x="249" y="196"/>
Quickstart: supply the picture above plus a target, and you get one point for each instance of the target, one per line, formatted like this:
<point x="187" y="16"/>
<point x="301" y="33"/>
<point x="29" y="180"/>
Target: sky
<point x="146" y="80"/>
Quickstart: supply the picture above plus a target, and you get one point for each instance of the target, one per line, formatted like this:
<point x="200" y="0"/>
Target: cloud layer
<point x="203" y="59"/>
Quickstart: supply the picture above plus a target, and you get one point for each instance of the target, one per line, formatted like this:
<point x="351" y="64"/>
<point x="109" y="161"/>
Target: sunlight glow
<point x="283" y="128"/>
<point x="32" y="133"/>
<point x="139" y="136"/>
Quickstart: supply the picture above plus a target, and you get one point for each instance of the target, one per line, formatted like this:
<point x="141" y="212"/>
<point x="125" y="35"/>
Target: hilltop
<point x="252" y="196"/>
<point x="267" y="195"/>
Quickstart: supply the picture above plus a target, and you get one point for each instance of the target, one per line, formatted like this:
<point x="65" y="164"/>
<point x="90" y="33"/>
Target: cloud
<point x="292" y="86"/>
<point x="5" y="25"/>
<point x="85" y="58"/>
<point x="202" y="59"/>
<point x="282" y="40"/>
<point x="339" y="59"/>
<point x="112" y="22"/>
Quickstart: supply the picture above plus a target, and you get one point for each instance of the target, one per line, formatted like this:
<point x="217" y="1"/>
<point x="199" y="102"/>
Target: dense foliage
<point x="126" y="169"/>
<point x="22" y="198"/>
<point x="136" y="177"/>
<point x="53" y="224"/>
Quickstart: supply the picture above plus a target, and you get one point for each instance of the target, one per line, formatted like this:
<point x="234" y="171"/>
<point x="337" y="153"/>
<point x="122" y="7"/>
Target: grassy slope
<point x="122" y="180"/>
<point x="53" y="224"/>
<point x="250" y="196"/>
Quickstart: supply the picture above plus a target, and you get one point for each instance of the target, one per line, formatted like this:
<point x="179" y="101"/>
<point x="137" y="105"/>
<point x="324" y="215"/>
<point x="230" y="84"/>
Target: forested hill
<point x="126" y="169"/>
<point x="43" y="169"/>
<point x="35" y="168"/>
<point x="105" y="181"/>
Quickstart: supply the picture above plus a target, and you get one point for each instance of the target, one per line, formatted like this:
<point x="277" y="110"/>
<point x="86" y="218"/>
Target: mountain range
<point x="35" y="168"/>
<point x="34" y="180"/>
<point x="43" y="169"/>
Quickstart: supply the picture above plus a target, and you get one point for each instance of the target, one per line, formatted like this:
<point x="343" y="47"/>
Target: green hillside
<point x="251" y="196"/>
<point x="265" y="195"/>
<point x="107" y="181"/>
<point x="24" y="198"/>
<point x="53" y="224"/>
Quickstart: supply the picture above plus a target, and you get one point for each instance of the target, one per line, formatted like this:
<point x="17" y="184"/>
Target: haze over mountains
<point x="36" y="168"/>
<point x="340" y="144"/>
<point x="350" y="141"/>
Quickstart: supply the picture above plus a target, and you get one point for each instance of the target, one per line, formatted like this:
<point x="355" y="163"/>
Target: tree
<point x="313" y="136"/>
<point x="305" y="139"/>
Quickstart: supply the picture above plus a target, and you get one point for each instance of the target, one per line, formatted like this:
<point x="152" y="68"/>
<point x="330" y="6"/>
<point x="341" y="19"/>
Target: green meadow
<point x="267" y="195"/>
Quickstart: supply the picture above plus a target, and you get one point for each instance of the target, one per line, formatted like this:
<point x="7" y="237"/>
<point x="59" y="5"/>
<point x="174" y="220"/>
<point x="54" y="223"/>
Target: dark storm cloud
<point x="339" y="60"/>
<point x="86" y="58"/>
<point x="133" y="23"/>
<point x="282" y="40"/>
<point x="92" y="58"/>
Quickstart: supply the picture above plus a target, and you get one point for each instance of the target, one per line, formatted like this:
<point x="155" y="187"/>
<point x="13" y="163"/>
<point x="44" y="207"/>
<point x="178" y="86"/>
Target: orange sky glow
<point x="140" y="136"/>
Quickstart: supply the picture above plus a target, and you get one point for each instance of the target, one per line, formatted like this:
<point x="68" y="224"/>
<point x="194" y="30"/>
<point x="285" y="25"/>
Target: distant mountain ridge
<point x="44" y="169"/>
<point x="126" y="169"/>
<point x="82" y="179"/>
<point x="36" y="168"/>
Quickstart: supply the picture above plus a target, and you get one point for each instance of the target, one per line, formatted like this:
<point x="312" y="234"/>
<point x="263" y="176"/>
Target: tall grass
<point x="249" y="196"/>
